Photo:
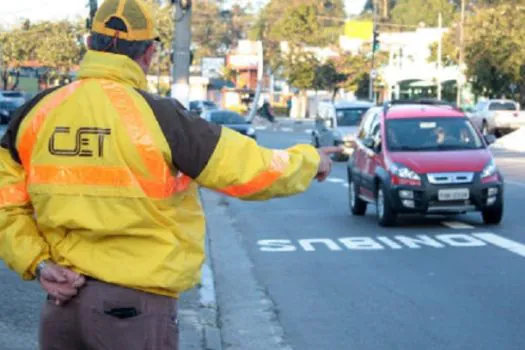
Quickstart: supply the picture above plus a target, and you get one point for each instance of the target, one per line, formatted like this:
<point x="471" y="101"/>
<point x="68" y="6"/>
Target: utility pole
<point x="93" y="6"/>
<point x="372" y="95"/>
<point x="180" y="89"/>
<point x="440" y="54"/>
<point x="461" y="53"/>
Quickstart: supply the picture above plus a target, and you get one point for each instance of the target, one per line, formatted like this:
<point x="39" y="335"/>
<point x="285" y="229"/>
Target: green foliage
<point x="299" y="69"/>
<point x="495" y="49"/>
<point x="328" y="78"/>
<point x="413" y="12"/>
<point x="321" y="24"/>
<point x="450" y="50"/>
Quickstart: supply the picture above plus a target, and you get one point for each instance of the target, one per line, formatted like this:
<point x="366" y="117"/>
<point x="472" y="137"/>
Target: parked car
<point x="7" y="109"/>
<point x="230" y="120"/>
<point x="415" y="158"/>
<point x="15" y="96"/>
<point x="497" y="117"/>
<point x="336" y="124"/>
<point x="198" y="106"/>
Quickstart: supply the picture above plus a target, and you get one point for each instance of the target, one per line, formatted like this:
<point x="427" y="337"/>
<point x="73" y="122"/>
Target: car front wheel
<point x="357" y="205"/>
<point x="386" y="216"/>
<point x="493" y="215"/>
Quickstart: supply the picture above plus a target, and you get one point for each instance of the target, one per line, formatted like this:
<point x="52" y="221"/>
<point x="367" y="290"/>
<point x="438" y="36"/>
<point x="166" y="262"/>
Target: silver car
<point x="497" y="117"/>
<point x="336" y="124"/>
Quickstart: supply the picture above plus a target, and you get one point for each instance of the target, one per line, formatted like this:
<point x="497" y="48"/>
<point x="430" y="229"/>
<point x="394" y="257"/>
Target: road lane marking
<point x="381" y="243"/>
<point x="335" y="180"/>
<point x="456" y="225"/>
<point x="308" y="131"/>
<point x="505" y="243"/>
<point x="515" y="183"/>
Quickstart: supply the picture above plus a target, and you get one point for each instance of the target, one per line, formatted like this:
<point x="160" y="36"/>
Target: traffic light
<point x="375" y="44"/>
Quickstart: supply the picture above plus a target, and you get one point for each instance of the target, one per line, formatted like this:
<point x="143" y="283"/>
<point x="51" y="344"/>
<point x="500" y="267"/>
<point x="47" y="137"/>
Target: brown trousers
<point x="108" y="317"/>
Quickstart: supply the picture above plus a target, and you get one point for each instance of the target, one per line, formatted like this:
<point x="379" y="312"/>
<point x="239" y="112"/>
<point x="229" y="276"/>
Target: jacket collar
<point x="114" y="67"/>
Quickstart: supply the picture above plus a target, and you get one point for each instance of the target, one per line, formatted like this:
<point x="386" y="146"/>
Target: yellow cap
<point x="135" y="15"/>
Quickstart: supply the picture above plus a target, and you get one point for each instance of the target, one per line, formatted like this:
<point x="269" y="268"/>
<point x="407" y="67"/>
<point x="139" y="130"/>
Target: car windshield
<point x="12" y="94"/>
<point x="350" y="116"/>
<point x="209" y="105"/>
<point x="226" y="118"/>
<point x="432" y="134"/>
<point x="503" y="106"/>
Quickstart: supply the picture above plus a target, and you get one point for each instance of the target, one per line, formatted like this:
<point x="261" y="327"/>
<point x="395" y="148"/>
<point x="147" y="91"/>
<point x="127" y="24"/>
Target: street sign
<point x="374" y="74"/>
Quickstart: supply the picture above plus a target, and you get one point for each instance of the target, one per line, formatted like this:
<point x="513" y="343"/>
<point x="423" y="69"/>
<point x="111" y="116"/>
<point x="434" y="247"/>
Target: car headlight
<point x="250" y="131"/>
<point x="489" y="170"/>
<point x="404" y="172"/>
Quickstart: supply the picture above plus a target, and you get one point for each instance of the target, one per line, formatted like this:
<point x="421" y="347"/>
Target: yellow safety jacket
<point x="102" y="177"/>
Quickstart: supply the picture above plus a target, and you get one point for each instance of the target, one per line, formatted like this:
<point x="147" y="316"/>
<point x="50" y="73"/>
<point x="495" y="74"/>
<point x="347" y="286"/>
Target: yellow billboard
<point x="359" y="29"/>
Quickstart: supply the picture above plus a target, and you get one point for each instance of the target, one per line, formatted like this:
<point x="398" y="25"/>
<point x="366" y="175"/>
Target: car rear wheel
<point x="357" y="205"/>
<point x="493" y="215"/>
<point x="386" y="216"/>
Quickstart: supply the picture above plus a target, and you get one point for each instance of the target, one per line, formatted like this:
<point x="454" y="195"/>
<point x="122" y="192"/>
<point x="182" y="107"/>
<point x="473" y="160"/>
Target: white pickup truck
<point x="497" y="116"/>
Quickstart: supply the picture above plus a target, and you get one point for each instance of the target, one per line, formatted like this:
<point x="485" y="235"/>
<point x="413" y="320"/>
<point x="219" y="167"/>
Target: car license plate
<point x="454" y="194"/>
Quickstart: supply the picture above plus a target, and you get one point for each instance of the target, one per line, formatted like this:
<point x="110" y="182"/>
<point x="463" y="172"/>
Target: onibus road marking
<point x="397" y="242"/>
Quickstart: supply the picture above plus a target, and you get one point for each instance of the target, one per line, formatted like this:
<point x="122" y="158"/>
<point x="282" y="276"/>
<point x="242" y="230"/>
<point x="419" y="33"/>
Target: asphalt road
<point x="342" y="282"/>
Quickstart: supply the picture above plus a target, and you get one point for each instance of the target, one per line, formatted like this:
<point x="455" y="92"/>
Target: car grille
<point x="450" y="178"/>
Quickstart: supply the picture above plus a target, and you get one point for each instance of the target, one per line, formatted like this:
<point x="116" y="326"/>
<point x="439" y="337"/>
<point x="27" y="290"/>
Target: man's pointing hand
<point x="325" y="165"/>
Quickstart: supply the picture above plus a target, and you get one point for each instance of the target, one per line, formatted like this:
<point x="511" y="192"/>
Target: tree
<point x="413" y="12"/>
<point x="495" y="49"/>
<point x="329" y="16"/>
<point x="299" y="69"/>
<point x="450" y="49"/>
<point x="328" y="78"/>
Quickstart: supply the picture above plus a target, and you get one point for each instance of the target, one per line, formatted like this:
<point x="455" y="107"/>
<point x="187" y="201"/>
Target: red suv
<point x="422" y="158"/>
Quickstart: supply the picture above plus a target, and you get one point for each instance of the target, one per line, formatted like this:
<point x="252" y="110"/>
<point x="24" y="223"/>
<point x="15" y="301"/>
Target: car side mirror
<point x="490" y="139"/>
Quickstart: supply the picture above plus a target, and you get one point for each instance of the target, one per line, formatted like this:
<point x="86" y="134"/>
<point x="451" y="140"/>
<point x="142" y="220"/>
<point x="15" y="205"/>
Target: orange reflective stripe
<point x="161" y="183"/>
<point x="280" y="160"/>
<point x="13" y="195"/>
<point x="28" y="138"/>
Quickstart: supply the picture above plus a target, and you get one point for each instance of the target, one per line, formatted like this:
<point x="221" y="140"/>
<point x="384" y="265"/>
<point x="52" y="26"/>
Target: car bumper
<point x="509" y="123"/>
<point x="426" y="198"/>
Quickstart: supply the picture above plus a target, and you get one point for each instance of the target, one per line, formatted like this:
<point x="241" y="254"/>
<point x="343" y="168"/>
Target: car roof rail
<point x="430" y="102"/>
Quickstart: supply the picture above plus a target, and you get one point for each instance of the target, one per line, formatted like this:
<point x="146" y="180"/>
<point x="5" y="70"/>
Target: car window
<point x="226" y="118"/>
<point x="193" y="105"/>
<point x="209" y="104"/>
<point x="503" y="106"/>
<point x="431" y="134"/>
<point x="481" y="106"/>
<point x="12" y="94"/>
<point x="350" y="116"/>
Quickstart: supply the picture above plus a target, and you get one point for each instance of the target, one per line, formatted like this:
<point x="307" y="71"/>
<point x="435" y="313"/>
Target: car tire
<point x="493" y="215"/>
<point x="357" y="205"/>
<point x="386" y="216"/>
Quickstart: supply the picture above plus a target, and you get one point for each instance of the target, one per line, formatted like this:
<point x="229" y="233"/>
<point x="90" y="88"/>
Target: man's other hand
<point x="325" y="165"/>
<point x="60" y="282"/>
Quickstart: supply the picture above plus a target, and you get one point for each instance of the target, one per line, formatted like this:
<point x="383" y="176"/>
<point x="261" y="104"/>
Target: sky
<point x="36" y="10"/>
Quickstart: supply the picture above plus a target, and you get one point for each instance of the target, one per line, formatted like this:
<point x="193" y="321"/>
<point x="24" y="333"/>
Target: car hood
<point x="239" y="127"/>
<point x="347" y="130"/>
<point x="443" y="161"/>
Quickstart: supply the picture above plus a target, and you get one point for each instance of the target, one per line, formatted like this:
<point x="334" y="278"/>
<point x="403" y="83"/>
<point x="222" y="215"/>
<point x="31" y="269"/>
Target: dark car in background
<point x="230" y="120"/>
<point x="7" y="109"/>
<point x="197" y="107"/>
